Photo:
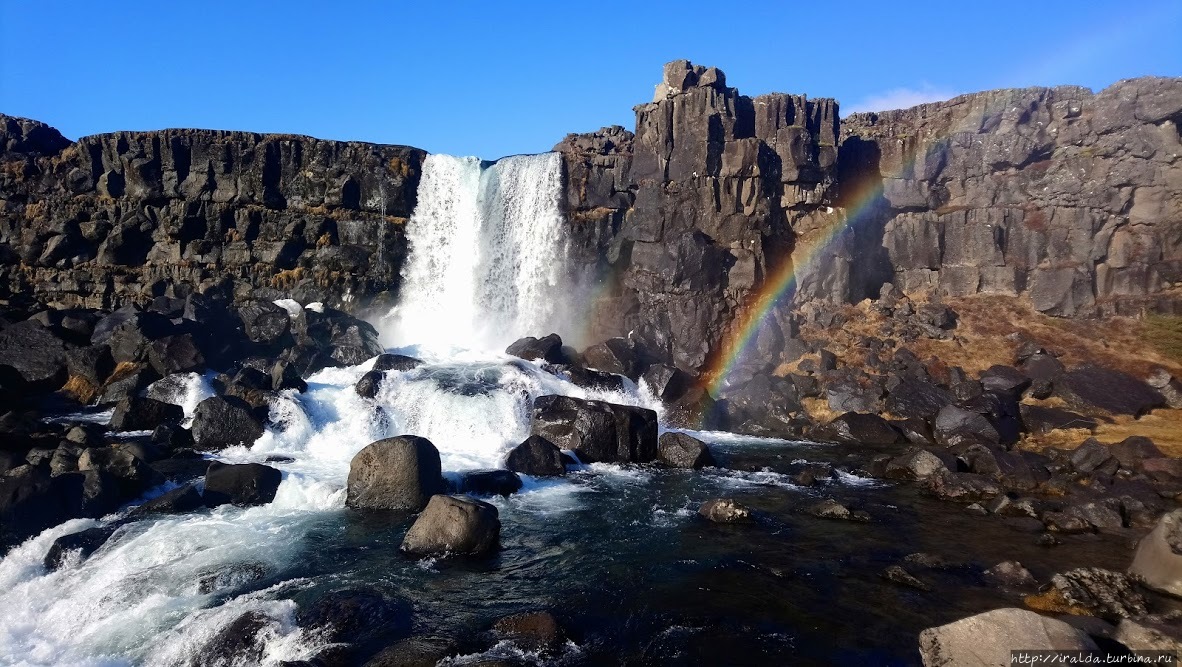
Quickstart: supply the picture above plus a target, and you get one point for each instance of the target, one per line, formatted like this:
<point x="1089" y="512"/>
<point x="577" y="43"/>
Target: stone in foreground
<point x="1158" y="560"/>
<point x="454" y="525"/>
<point x="597" y="431"/>
<point x="986" y="640"/>
<point x="399" y="473"/>
<point x="537" y="457"/>
<point x="240" y="484"/>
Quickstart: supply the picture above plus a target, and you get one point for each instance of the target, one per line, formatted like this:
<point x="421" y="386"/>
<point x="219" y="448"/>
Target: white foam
<point x="292" y="306"/>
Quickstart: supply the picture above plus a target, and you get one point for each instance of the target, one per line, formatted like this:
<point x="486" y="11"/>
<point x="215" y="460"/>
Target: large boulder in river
<point x="1158" y="560"/>
<point x="987" y="640"/>
<point x="395" y="362"/>
<point x="537" y="457"/>
<point x="678" y="450"/>
<point x="32" y="500"/>
<point x="240" y="484"/>
<point x="399" y="473"/>
<point x="490" y="483"/>
<point x="224" y="421"/>
<point x="546" y="348"/>
<point x="1094" y="389"/>
<point x="454" y="525"/>
<point x="596" y="430"/>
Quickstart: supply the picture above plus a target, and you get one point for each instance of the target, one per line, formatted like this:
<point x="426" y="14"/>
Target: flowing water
<point x="617" y="552"/>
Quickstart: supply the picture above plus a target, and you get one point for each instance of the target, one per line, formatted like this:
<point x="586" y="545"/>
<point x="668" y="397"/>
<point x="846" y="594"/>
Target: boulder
<point x="1145" y="636"/>
<point x="1005" y="380"/>
<point x="1041" y="420"/>
<point x="678" y="450"/>
<point x="264" y="322"/>
<point x="414" y="652"/>
<point x="130" y="474"/>
<point x="1133" y="451"/>
<point x="1090" y="456"/>
<point x="613" y="356"/>
<point x="85" y="542"/>
<point x="856" y="428"/>
<point x="240" y="642"/>
<point x="1168" y="386"/>
<point x="955" y="425"/>
<point x="128" y="379"/>
<point x="240" y="484"/>
<point x="537" y="457"/>
<point x="724" y="510"/>
<point x="547" y="348"/>
<point x="490" y="483"/>
<point x="1010" y="575"/>
<point x="917" y="398"/>
<point x="454" y="525"/>
<point x="224" y="421"/>
<point x="395" y="362"/>
<point x="537" y="631"/>
<point x="668" y="383"/>
<point x="369" y="384"/>
<point x="596" y="430"/>
<point x="355" y="616"/>
<point x="401" y="473"/>
<point x="144" y="414"/>
<point x="31" y="501"/>
<point x="175" y="354"/>
<point x="1092" y="591"/>
<point x="987" y="640"/>
<point x="37" y="356"/>
<point x="1101" y="390"/>
<point x="919" y="464"/>
<point x="764" y="406"/>
<point x="1157" y="562"/>
<point x="831" y="509"/>
<point x="180" y="500"/>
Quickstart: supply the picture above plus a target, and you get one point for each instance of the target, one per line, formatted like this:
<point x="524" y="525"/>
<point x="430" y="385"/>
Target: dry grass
<point x="1163" y="427"/>
<point x="1164" y="334"/>
<point x="818" y="410"/>
<point x="81" y="390"/>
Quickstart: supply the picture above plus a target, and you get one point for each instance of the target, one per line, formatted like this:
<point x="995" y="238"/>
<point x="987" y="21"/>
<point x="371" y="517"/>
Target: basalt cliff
<point x="1068" y="200"/>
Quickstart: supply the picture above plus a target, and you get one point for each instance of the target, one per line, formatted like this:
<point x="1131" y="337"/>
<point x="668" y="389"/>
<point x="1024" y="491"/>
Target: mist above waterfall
<point x="488" y="256"/>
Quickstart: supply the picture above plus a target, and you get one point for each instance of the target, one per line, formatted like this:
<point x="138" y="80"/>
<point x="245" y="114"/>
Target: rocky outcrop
<point x="125" y="217"/>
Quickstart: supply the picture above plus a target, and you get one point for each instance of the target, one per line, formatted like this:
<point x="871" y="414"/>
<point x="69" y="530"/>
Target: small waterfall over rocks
<point x="488" y="250"/>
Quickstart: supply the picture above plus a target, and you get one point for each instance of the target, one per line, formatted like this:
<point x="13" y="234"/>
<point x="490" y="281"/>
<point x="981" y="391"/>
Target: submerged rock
<point x="897" y="575"/>
<point x="401" y="473"/>
<point x="454" y="525"/>
<point x="537" y="631"/>
<point x="356" y="615"/>
<point x="85" y="543"/>
<point x="490" y="483"/>
<point x="177" y="501"/>
<point x="724" y="510"/>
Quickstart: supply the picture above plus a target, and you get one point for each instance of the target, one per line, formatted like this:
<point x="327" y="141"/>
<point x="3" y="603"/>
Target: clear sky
<point x="496" y="78"/>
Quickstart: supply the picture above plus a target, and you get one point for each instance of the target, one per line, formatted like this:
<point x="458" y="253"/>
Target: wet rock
<point x="917" y="398"/>
<point x="1042" y="420"/>
<point x="1090" y="591"/>
<point x="229" y="577"/>
<point x="224" y="421"/>
<point x="1094" y="389"/>
<point x="613" y="356"/>
<point x="855" y="428"/>
<point x="810" y="475"/>
<point x="414" y="652"/>
<point x="238" y="643"/>
<point x="264" y="322"/>
<point x="177" y="501"/>
<point x="897" y="575"/>
<point x="831" y="509"/>
<point x="1010" y="575"/>
<point x="987" y="640"/>
<point x="85" y="542"/>
<point x="919" y="464"/>
<point x="667" y="383"/>
<point x="548" y="348"/>
<point x="678" y="450"/>
<point x="130" y="474"/>
<point x="369" y="384"/>
<point x="724" y="510"/>
<point x="395" y="362"/>
<point x="537" y="631"/>
<point x="537" y="457"/>
<point x="595" y="430"/>
<point x="454" y="525"/>
<point x="356" y="615"/>
<point x="175" y="354"/>
<point x="1006" y="506"/>
<point x="240" y="484"/>
<point x="171" y="437"/>
<point x="490" y="483"/>
<point x="401" y="473"/>
<point x="144" y="414"/>
<point x="589" y="378"/>
<point x="1157" y="562"/>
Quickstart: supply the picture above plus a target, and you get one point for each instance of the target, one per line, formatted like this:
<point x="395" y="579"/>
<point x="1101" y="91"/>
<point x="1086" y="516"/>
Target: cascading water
<point x="488" y="246"/>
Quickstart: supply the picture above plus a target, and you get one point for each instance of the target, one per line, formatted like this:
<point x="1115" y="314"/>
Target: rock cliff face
<point x="125" y="217"/>
<point x="1070" y="199"/>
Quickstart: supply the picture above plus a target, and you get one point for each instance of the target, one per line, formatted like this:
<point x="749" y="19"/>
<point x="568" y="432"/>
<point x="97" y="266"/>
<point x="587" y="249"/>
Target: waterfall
<point x="488" y="250"/>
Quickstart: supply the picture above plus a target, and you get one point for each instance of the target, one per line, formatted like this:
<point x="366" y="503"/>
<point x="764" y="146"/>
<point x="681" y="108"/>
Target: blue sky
<point x="497" y="78"/>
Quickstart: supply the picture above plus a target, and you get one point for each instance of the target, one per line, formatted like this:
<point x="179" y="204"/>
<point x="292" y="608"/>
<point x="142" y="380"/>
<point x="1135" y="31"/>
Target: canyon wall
<point x="130" y="216"/>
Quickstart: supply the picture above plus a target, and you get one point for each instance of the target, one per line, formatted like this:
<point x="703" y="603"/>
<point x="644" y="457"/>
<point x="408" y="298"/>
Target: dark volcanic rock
<point x="854" y="428"/>
<point x="369" y="384"/>
<point x="144" y="414"/>
<point x="1039" y="419"/>
<point x="37" y="356"/>
<point x="356" y="615"/>
<point x="85" y="542"/>
<point x="31" y="501"/>
<point x="537" y="457"/>
<point x="490" y="483"/>
<point x="224" y="421"/>
<point x="547" y="348"/>
<point x="240" y="484"/>
<point x="454" y="525"/>
<point x="595" y="430"/>
<point x="679" y="450"/>
<point x="400" y="473"/>
<point x="1094" y="389"/>
<point x="917" y="398"/>
<point x="395" y="362"/>
<point x="177" y="501"/>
